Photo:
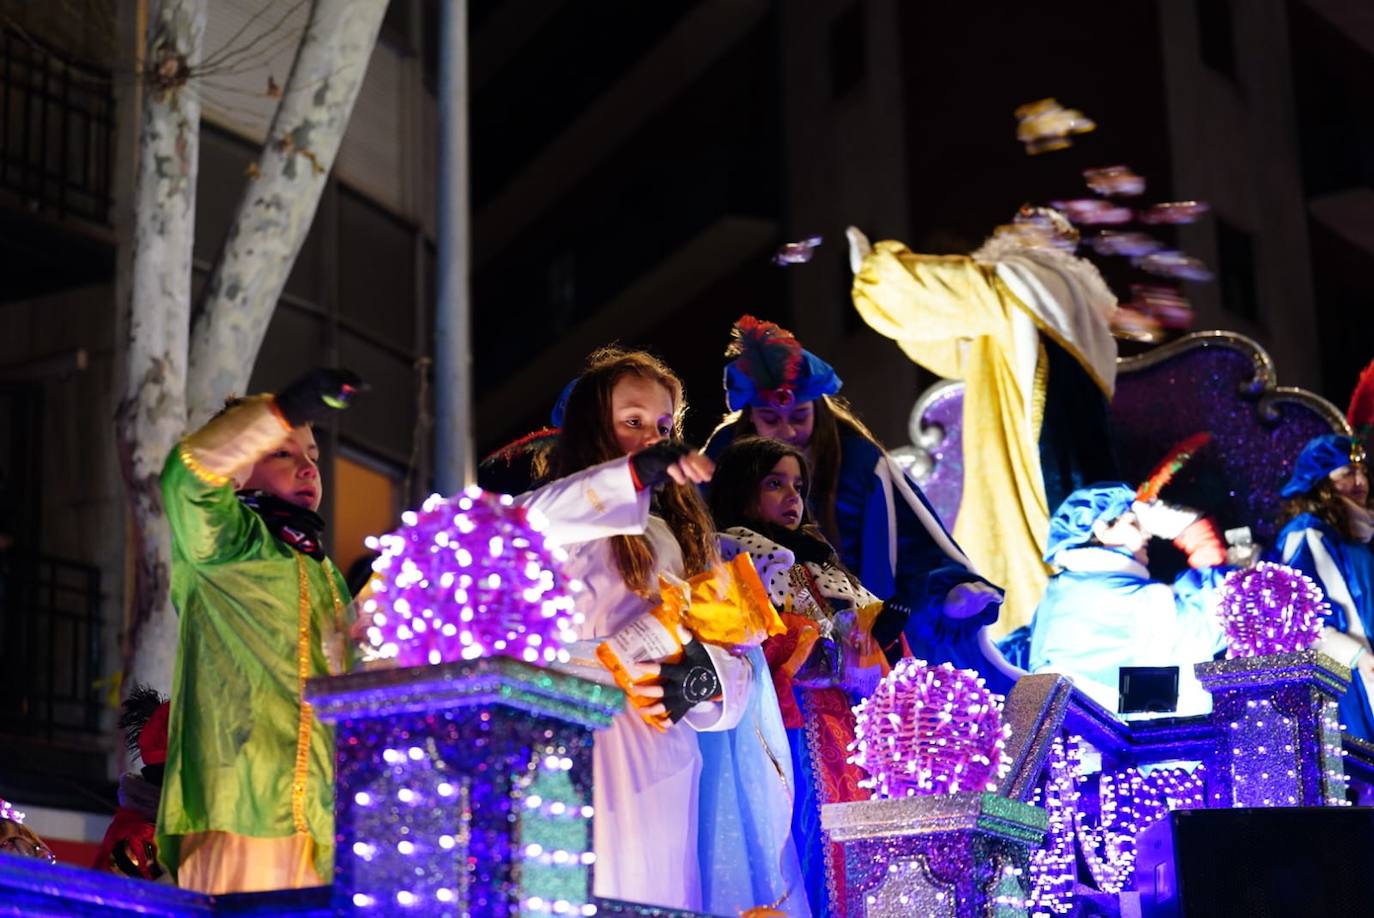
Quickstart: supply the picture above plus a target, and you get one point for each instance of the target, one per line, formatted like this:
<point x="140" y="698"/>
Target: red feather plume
<point x="543" y="438"/>
<point x="1361" y="411"/>
<point x="768" y="353"/>
<point x="1170" y="465"/>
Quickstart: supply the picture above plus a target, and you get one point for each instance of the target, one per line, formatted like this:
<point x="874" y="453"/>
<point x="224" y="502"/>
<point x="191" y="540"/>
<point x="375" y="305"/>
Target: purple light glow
<point x="1053" y="867"/>
<point x="1130" y="800"/>
<point x="1270" y="609"/>
<point x="467" y="577"/>
<point x="930" y="730"/>
<point x="7" y="811"/>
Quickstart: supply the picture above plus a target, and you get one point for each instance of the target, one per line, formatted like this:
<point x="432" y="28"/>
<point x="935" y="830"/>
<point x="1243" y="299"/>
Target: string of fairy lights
<point x="1130" y="800"/>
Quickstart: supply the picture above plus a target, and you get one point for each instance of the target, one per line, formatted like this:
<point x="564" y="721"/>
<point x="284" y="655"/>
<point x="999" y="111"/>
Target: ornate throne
<point x="1215" y="380"/>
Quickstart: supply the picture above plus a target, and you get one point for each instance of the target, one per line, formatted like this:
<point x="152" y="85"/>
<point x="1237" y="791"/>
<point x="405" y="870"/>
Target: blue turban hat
<point x="560" y="407"/>
<point x="772" y="370"/>
<point x="1072" y="524"/>
<point x="1318" y="459"/>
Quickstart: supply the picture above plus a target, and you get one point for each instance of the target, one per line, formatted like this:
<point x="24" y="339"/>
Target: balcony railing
<point x="50" y="627"/>
<point x="56" y="130"/>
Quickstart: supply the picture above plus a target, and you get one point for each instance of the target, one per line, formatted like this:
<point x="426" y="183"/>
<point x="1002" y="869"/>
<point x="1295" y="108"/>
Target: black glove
<point x="651" y="463"/>
<point x="318" y="394"/>
<point x="888" y="628"/>
<point x="689" y="683"/>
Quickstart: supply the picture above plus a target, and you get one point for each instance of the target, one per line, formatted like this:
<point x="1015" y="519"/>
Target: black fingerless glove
<point x="651" y="463"/>
<point x="689" y="683"/>
<point x="888" y="628"/>
<point x="318" y="394"/>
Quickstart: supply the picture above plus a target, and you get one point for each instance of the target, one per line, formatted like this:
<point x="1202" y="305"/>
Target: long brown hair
<point x="587" y="438"/>
<point x="832" y="414"/>
<point x="1325" y="504"/>
<point x="740" y="470"/>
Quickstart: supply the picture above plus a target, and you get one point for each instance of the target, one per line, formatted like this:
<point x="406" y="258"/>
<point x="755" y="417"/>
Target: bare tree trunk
<point x="279" y="203"/>
<point x="152" y="414"/>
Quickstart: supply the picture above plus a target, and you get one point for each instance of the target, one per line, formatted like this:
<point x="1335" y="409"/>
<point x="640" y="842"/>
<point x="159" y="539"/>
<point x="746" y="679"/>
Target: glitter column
<point x="939" y="855"/>
<point x="464" y="788"/>
<point x="1279" y="741"/>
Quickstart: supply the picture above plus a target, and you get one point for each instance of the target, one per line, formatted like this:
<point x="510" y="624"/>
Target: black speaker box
<point x="1280" y="862"/>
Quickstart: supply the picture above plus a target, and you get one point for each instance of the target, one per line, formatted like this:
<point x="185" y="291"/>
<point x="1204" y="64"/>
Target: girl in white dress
<point x="625" y="506"/>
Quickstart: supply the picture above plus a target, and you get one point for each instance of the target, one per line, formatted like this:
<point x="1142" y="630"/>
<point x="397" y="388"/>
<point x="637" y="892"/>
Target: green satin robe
<point x="237" y="735"/>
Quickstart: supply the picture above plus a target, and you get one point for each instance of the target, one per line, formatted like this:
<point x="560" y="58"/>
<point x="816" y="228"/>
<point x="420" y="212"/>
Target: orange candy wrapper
<point x="726" y="606"/>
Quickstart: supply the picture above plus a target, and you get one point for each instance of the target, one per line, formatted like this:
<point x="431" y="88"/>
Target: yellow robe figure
<point x="981" y="319"/>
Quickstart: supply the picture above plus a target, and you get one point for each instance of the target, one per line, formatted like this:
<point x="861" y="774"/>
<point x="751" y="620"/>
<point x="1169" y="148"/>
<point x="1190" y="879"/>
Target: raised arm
<point x="911" y="297"/>
<point x="594" y="503"/>
<point x="208" y="522"/>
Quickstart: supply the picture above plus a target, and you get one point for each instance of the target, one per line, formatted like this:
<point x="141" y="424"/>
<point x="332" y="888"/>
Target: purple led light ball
<point x="1270" y="608"/>
<point x="465" y="577"/>
<point x="930" y="730"/>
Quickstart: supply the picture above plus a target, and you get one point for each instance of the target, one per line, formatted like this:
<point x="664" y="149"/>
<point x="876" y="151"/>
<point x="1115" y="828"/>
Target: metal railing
<point x="56" y="130"/>
<point x="51" y="646"/>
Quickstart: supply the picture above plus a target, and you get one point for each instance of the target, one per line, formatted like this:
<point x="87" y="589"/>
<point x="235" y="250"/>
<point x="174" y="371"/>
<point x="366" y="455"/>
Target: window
<point x="847" y="57"/>
<point x="1236" y="271"/>
<point x="367" y="497"/>
<point x="376" y="272"/>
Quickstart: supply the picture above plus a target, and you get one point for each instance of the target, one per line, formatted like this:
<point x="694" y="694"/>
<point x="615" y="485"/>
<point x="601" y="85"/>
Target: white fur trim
<point x="1091" y="559"/>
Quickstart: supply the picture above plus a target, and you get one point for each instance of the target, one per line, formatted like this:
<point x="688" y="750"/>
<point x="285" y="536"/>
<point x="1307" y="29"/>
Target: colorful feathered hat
<point x="771" y="369"/>
<point x="1318" y="459"/>
<point x="143" y="717"/>
<point x="1360" y="414"/>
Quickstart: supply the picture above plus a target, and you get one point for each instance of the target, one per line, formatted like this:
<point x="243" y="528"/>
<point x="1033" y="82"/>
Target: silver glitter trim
<point x="1262" y="385"/>
<point x="492" y="680"/>
<point x="1272" y="670"/>
<point x="1035" y="708"/>
<point x="999" y="817"/>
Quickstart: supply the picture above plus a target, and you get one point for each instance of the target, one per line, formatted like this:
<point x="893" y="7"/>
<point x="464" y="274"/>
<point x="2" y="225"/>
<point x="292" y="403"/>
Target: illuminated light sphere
<point x="511" y="597"/>
<point x="930" y="730"/>
<point x="1270" y="608"/>
<point x="7" y="811"/>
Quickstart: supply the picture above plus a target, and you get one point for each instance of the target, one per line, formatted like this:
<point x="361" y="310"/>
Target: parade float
<point x="463" y="763"/>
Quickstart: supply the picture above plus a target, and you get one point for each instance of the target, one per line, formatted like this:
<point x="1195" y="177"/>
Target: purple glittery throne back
<point x="1215" y="381"/>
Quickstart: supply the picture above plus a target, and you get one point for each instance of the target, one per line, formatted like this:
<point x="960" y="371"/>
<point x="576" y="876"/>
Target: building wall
<point x="1332" y="53"/>
<point x="1234" y="140"/>
<point x="655" y="184"/>
<point x="845" y="116"/>
<point x="358" y="296"/>
<point x="393" y="121"/>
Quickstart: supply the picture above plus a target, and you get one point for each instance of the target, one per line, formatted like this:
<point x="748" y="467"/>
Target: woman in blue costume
<point x="1326" y="531"/>
<point x="884" y="529"/>
<point x="1102" y="610"/>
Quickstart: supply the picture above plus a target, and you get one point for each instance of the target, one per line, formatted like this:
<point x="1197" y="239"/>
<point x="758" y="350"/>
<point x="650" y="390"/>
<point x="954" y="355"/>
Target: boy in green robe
<point x="248" y="794"/>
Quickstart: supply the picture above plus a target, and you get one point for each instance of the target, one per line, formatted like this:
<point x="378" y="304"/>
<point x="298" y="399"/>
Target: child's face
<point x="792" y="425"/>
<point x="641" y="413"/>
<point x="779" y="500"/>
<point x="291" y="471"/>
